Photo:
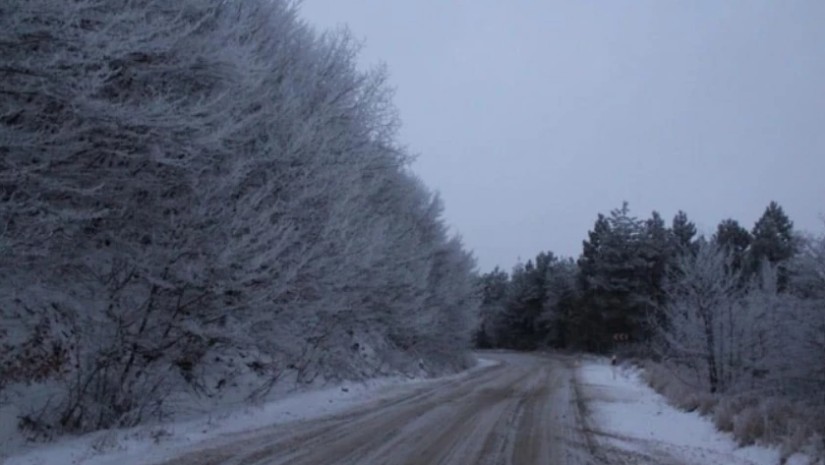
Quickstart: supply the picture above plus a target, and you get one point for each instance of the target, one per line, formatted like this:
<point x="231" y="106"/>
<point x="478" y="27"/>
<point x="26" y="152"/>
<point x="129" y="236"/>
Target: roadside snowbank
<point x="154" y="443"/>
<point x="627" y="415"/>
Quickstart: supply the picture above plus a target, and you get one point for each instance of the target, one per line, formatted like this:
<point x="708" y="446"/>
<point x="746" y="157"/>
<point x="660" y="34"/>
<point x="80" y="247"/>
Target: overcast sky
<point x="530" y="117"/>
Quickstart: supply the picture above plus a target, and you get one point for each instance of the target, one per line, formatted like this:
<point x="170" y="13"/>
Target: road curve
<point x="523" y="411"/>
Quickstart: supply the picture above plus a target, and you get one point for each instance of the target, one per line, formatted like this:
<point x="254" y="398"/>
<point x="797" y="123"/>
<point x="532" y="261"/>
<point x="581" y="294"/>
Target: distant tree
<point x="658" y="254"/>
<point x="494" y="290"/>
<point x="524" y="305"/>
<point x="683" y="232"/>
<point x="453" y="304"/>
<point x="536" y="306"/>
<point x="808" y="334"/>
<point x="735" y="240"/>
<point x="773" y="241"/>
<point x="590" y="332"/>
<point x="560" y="317"/>
<point x="613" y="272"/>
<point x="593" y="249"/>
<point x="809" y="268"/>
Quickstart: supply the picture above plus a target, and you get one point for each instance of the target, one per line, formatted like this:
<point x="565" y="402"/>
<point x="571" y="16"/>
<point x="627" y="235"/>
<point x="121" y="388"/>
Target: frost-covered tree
<point x="735" y="339"/>
<point x="182" y="180"/>
<point x="702" y="304"/>
<point x="807" y="326"/>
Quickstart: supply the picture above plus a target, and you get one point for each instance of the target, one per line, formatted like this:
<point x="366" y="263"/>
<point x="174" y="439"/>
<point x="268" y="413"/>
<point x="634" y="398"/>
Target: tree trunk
<point x="713" y="374"/>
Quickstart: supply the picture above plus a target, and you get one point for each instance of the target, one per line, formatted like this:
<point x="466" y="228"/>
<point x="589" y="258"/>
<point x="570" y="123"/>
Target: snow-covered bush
<point x="746" y="351"/>
<point x="795" y="426"/>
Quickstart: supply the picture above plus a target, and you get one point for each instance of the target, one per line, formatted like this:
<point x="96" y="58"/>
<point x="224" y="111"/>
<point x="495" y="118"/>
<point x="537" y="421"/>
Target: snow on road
<point x="517" y="413"/>
<point x="530" y="408"/>
<point x="629" y="417"/>
<point x="155" y="443"/>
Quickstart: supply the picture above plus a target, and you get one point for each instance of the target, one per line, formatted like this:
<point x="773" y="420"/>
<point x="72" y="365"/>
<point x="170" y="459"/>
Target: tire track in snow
<point x="520" y="412"/>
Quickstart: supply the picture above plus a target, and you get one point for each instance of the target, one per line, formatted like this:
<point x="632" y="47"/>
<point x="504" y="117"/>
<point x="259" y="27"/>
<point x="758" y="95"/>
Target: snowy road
<point x="513" y="409"/>
<point x="528" y="409"/>
<point x="522" y="411"/>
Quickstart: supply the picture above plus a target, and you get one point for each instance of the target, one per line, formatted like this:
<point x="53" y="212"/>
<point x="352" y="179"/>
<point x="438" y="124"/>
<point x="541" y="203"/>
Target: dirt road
<point x="522" y="411"/>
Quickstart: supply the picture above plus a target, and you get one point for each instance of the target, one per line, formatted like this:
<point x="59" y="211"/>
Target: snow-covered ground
<point x="627" y="421"/>
<point x="154" y="443"/>
<point x="627" y="415"/>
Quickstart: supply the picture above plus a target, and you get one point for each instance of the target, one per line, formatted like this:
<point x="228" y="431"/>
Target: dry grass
<point x="793" y="426"/>
<point x="728" y="409"/>
<point x="678" y="393"/>
<point x="749" y="426"/>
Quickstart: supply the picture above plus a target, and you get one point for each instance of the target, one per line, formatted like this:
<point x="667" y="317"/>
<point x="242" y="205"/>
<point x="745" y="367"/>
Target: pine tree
<point x="493" y="288"/>
<point x="683" y="232"/>
<point x="526" y="303"/>
<point x="735" y="240"/>
<point x="773" y="241"/>
<point x="559" y="318"/>
<point x="657" y="253"/>
<point x="773" y="236"/>
<point x="613" y="272"/>
<point x="592" y="248"/>
<point x="588" y="333"/>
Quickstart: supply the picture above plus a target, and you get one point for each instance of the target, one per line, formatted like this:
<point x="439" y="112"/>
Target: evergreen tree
<point x="493" y="288"/>
<point x="559" y="318"/>
<point x="612" y="276"/>
<point x="773" y="241"/>
<point x="656" y="250"/>
<point x="590" y="319"/>
<point x="683" y="232"/>
<point x="592" y="249"/>
<point x="657" y="253"/>
<point x="734" y="239"/>
<point x="516" y="325"/>
<point x="525" y="304"/>
<point x="773" y="236"/>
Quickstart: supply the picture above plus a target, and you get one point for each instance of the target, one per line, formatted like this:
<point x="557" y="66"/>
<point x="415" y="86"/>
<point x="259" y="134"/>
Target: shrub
<point x="794" y="426"/>
<point x="749" y="425"/>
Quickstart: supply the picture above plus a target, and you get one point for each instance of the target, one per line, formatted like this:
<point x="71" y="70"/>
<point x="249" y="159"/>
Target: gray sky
<point x="530" y="117"/>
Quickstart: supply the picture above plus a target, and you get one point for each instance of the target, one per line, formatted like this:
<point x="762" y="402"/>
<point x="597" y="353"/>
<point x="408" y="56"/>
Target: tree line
<point x="742" y="309"/>
<point x="184" y="180"/>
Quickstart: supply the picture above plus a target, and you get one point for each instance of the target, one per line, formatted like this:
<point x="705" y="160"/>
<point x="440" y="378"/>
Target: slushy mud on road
<point x="527" y="409"/>
<point x="521" y="411"/>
